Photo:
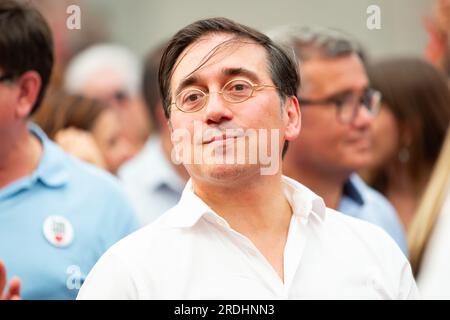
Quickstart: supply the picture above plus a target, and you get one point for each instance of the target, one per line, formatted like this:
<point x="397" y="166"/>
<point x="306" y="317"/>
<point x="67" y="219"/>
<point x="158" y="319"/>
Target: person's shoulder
<point x="371" y="196"/>
<point x="160" y="236"/>
<point x="369" y="247"/>
<point x="140" y="257"/>
<point x="81" y="172"/>
<point x="101" y="194"/>
<point x="131" y="169"/>
<point x="141" y="162"/>
<point x="357" y="232"/>
<point x="338" y="220"/>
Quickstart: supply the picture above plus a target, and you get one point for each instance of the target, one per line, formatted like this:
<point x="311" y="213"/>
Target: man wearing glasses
<point x="238" y="233"/>
<point x="57" y="214"/>
<point x="338" y="106"/>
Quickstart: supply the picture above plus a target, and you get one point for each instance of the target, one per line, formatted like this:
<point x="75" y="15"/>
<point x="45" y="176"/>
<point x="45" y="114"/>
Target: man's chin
<point x="360" y="163"/>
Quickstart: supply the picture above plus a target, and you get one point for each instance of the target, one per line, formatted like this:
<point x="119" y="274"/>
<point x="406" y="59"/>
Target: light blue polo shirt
<point x="362" y="202"/>
<point x="93" y="206"/>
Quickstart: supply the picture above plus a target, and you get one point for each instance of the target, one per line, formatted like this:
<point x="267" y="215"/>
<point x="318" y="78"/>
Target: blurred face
<point x="108" y="135"/>
<point x="109" y="86"/>
<point x="385" y="137"/>
<point x="221" y="126"/>
<point x="326" y="144"/>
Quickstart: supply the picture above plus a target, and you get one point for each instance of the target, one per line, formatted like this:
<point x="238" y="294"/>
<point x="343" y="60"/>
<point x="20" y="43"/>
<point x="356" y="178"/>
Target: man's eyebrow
<point x="191" y="80"/>
<point x="344" y="93"/>
<point x="241" y="72"/>
<point x="186" y="83"/>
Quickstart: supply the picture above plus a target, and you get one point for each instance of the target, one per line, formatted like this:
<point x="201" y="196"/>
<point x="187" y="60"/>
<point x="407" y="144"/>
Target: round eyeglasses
<point x="347" y="105"/>
<point x="234" y="91"/>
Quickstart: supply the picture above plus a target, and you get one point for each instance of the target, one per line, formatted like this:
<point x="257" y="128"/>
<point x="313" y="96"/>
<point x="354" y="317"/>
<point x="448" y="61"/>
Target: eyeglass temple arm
<point x="313" y="102"/>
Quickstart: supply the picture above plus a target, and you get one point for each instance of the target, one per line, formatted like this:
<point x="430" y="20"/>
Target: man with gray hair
<point x="338" y="106"/>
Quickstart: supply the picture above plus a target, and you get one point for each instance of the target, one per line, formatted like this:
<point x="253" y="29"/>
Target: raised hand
<point x="13" y="292"/>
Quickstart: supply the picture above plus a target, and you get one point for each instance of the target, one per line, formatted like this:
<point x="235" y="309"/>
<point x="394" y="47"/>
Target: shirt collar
<point x="353" y="189"/>
<point x="52" y="169"/>
<point x="304" y="202"/>
<point x="191" y="207"/>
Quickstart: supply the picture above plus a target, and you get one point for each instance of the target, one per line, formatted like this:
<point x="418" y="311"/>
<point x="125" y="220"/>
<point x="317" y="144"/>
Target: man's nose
<point x="217" y="109"/>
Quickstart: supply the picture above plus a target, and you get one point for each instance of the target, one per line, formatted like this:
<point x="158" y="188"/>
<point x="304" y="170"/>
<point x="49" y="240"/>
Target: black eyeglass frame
<point x="255" y="88"/>
<point x="365" y="100"/>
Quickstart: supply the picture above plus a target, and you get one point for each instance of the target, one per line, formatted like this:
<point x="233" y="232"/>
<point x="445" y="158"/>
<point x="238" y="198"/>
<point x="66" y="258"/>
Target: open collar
<point x="191" y="207"/>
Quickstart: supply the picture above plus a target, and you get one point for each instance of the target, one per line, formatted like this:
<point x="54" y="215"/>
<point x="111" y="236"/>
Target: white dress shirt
<point x="150" y="182"/>
<point x="192" y="253"/>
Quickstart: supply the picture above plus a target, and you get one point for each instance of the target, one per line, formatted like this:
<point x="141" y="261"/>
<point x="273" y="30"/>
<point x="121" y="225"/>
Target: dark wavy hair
<point x="25" y="43"/>
<point x="283" y="69"/>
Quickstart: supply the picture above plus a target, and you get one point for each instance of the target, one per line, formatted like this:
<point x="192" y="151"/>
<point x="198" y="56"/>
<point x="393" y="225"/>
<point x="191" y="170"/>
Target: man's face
<point x="108" y="134"/>
<point x="326" y="144"/>
<point x="223" y="124"/>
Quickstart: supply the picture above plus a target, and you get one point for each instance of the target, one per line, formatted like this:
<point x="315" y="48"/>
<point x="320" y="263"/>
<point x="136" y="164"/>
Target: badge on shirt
<point x="58" y="231"/>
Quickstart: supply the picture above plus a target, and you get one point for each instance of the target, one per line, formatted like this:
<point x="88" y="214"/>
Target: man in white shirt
<point x="241" y="230"/>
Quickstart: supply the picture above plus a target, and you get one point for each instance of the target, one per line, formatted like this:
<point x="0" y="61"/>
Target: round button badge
<point x="58" y="231"/>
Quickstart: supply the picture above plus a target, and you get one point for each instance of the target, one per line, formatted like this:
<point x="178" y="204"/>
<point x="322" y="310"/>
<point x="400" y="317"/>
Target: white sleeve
<point x="109" y="279"/>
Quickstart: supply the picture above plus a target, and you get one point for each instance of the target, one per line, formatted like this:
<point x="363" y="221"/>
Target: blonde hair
<point x="430" y="206"/>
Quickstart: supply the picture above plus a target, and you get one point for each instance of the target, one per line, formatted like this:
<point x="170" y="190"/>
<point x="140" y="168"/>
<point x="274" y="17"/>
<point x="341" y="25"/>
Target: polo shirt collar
<point x="191" y="208"/>
<point x="52" y="170"/>
<point x="353" y="189"/>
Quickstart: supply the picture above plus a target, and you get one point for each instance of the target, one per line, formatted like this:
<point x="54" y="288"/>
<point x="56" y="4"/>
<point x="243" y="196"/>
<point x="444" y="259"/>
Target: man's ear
<point x="29" y="85"/>
<point x="292" y="118"/>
